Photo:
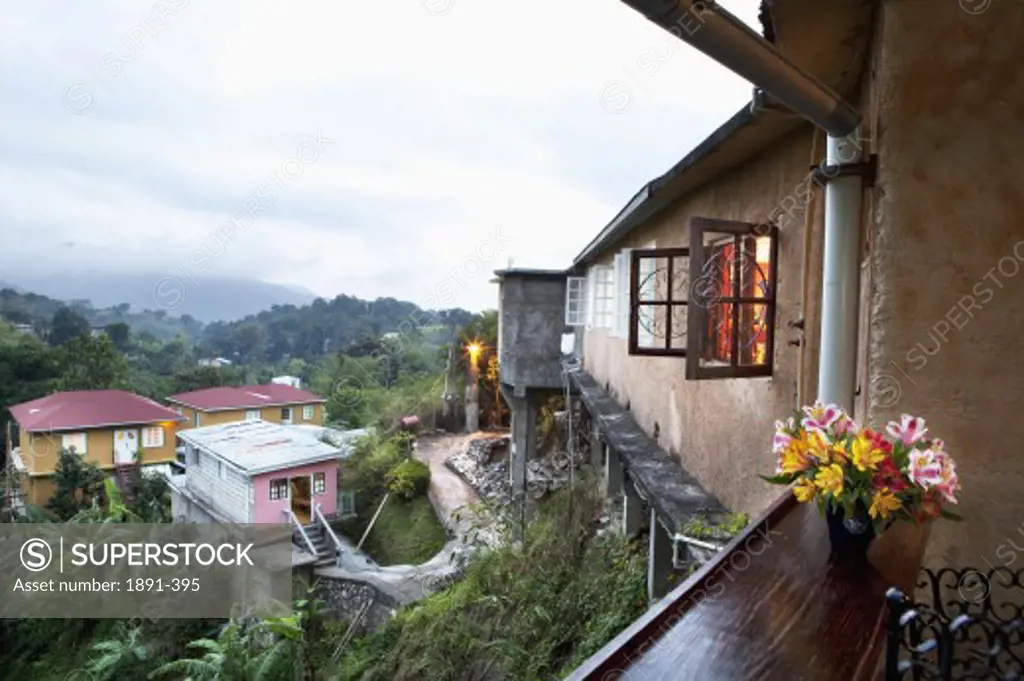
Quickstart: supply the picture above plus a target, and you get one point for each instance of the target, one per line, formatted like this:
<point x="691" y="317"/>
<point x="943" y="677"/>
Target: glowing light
<point x="764" y="250"/>
<point x="474" y="350"/>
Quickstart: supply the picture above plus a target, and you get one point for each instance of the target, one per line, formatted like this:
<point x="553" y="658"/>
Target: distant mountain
<point x="308" y="331"/>
<point x="204" y="298"/>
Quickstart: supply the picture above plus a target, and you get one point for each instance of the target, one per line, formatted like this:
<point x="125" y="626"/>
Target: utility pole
<point x="448" y="397"/>
<point x="472" y="390"/>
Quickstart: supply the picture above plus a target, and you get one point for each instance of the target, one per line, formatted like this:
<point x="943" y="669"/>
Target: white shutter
<point x="620" y="325"/>
<point x="575" y="301"/>
<point x="590" y="286"/>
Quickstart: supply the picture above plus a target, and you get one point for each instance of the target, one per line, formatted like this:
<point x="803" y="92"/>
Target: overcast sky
<point x="368" y="148"/>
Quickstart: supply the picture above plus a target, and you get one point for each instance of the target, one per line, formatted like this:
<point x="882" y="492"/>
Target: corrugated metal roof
<point x="89" y="409"/>
<point x="260" y="447"/>
<point x="244" y="396"/>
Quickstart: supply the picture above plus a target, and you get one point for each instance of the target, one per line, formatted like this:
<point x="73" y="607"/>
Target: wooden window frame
<point x="308" y="412"/>
<point x="697" y="316"/>
<point x="635" y="256"/>
<point x="319" y="483"/>
<point x="279" y="496"/>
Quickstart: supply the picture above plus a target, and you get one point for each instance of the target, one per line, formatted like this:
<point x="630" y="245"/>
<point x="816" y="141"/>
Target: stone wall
<point x="344" y="599"/>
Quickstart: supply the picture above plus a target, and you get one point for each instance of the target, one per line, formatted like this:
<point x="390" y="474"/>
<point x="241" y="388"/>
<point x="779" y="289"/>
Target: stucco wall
<point x="531" y="324"/>
<point x="267" y="511"/>
<point x="720" y="430"/>
<point x="40" y="450"/>
<point x="271" y="414"/>
<point x="948" y="312"/>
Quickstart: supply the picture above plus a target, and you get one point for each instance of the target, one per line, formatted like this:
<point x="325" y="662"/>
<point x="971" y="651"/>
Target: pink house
<point x="259" y="472"/>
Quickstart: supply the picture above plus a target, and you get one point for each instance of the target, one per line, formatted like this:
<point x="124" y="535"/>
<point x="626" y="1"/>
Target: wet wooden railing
<point x="774" y="604"/>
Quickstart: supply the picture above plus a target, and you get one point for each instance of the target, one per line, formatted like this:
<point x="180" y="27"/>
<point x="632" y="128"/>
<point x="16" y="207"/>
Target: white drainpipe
<point x="840" y="315"/>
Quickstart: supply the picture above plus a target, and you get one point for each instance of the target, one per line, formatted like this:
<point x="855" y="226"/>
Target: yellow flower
<point x="818" y="446"/>
<point x="884" y="504"/>
<point x="830" y="479"/>
<point x="804" y="490"/>
<point x="795" y="459"/>
<point x="865" y="455"/>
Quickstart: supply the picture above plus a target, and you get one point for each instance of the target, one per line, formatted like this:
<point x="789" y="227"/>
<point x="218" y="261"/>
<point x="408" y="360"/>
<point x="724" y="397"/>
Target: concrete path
<point x="448" y="492"/>
<point x="449" y="495"/>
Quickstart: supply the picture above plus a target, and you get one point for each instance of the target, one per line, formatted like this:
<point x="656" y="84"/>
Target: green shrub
<point x="409" y="479"/>
<point x="533" y="611"/>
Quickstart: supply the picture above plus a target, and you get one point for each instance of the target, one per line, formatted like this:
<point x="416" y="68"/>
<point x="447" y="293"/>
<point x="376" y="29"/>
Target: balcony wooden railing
<point x="774" y="604"/>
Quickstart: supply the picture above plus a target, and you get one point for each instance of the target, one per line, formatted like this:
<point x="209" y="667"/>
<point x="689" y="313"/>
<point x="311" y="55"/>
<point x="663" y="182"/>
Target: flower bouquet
<point x="861" y="480"/>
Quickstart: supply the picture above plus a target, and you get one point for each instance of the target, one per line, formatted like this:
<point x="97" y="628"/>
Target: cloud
<point x="443" y="127"/>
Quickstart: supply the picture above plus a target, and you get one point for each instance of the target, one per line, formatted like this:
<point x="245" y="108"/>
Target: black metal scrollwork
<point x="972" y="628"/>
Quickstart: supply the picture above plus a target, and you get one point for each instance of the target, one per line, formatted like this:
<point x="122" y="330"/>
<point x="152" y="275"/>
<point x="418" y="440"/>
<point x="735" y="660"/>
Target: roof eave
<point x="649" y="200"/>
<point x="319" y="400"/>
<point x="60" y="429"/>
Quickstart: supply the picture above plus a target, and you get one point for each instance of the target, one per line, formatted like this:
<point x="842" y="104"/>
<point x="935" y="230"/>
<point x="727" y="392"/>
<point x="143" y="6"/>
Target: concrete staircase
<point x="325" y="549"/>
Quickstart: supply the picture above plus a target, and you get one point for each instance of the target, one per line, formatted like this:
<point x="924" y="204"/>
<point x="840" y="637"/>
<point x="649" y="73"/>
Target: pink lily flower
<point x="925" y="468"/>
<point x="949" y="482"/>
<point x="781" y="441"/>
<point x="909" y="430"/>
<point x="820" y="417"/>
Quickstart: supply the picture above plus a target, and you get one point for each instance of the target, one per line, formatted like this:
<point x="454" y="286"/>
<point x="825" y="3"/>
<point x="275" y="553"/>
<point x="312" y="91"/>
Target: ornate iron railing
<point x="969" y="625"/>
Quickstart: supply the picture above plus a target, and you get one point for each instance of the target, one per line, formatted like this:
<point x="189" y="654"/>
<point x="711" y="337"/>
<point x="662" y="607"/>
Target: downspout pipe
<point x="720" y="35"/>
<point x="840" y="313"/>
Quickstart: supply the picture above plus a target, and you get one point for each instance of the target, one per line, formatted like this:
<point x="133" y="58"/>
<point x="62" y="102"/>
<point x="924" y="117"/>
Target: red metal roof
<point x="89" y="409"/>
<point x="245" y="396"/>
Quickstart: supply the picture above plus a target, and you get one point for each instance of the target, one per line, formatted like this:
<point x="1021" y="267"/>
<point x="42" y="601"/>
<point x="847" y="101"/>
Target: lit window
<point x="153" y="436"/>
<point x="319" y="483"/>
<point x="733" y="270"/>
<point x="713" y="302"/>
<point x="75" y="441"/>
<point x="307" y="412"/>
<point x="278" y="489"/>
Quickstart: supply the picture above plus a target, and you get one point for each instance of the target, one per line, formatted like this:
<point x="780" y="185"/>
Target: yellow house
<point x="274" y="403"/>
<point x="106" y="427"/>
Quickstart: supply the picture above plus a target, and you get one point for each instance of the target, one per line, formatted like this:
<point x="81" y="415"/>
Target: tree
<point x="120" y="334"/>
<point x="67" y="324"/>
<point x="88" y="363"/>
<point x="27" y="369"/>
<point x="76" y="482"/>
<point x="197" y="378"/>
